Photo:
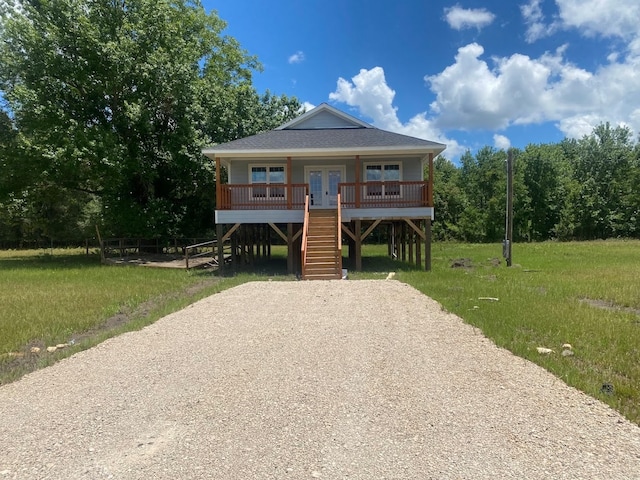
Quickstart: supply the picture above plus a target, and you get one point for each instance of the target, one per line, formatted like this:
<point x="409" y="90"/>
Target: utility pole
<point x="506" y="247"/>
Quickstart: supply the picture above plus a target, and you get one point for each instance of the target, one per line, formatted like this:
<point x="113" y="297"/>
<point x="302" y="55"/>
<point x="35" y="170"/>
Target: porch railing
<point x="262" y="196"/>
<point x="305" y="236"/>
<point x="384" y="194"/>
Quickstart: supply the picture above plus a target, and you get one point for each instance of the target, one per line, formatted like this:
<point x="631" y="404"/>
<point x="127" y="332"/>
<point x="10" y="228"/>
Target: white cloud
<point x="609" y="18"/>
<point x="534" y="19"/>
<point x="369" y="93"/>
<point x="501" y="142"/>
<point x="460" y="18"/>
<point x="297" y="57"/>
<point x="306" y="106"/>
<point x="471" y="94"/>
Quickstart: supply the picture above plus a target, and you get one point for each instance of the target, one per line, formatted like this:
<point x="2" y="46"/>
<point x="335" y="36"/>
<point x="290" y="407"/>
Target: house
<point x="323" y="179"/>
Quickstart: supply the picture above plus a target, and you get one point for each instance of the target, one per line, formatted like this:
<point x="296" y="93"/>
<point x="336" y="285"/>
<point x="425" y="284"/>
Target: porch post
<point x="220" y="244"/>
<point x="430" y="188"/>
<point x="357" y="192"/>
<point x="289" y="186"/>
<point x="218" y="182"/>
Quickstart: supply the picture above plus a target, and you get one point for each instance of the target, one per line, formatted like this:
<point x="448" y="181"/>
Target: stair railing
<point x="339" y="253"/>
<point x="305" y="232"/>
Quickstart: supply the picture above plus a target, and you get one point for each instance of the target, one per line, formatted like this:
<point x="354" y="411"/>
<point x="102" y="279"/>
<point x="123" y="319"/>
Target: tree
<point x="448" y="198"/>
<point x="115" y="100"/>
<point x="604" y="200"/>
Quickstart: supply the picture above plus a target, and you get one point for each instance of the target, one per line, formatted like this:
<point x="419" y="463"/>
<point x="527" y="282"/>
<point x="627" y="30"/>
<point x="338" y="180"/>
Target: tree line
<point x="582" y="189"/>
<point x="105" y="106"/>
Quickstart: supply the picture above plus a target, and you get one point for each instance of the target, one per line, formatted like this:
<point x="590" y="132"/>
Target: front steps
<point x="323" y="261"/>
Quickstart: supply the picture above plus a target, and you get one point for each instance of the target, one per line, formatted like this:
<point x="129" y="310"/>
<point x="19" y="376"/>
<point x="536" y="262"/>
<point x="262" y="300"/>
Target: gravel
<point x="338" y="379"/>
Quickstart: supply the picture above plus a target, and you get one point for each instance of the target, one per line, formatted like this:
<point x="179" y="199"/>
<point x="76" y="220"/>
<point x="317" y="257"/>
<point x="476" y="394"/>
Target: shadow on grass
<point x="46" y="261"/>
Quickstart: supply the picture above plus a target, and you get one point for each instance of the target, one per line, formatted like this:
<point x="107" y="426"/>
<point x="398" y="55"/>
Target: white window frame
<point x="383" y="194"/>
<point x="268" y="196"/>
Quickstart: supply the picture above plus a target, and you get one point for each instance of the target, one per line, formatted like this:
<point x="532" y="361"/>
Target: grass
<point x="583" y="293"/>
<point x="65" y="296"/>
<point x="586" y="294"/>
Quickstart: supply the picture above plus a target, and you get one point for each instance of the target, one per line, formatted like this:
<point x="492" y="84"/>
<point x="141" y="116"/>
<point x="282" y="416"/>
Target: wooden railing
<point x="384" y="194"/>
<point x="305" y="231"/>
<point x="339" y="236"/>
<point x="205" y="253"/>
<point x="262" y="196"/>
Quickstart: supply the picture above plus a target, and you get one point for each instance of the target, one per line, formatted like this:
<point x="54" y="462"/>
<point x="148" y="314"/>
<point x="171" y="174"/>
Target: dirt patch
<point x="610" y="306"/>
<point x="462" y="263"/>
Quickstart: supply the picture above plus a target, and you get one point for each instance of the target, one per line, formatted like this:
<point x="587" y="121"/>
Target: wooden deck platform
<point x="162" y="261"/>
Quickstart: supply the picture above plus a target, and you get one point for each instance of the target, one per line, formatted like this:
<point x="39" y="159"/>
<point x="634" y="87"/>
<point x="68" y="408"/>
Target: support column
<point x="290" y="259"/>
<point x="410" y="241"/>
<point x="234" y="252"/>
<point x="419" y="246"/>
<point x="220" y="244"/>
<point x="427" y="245"/>
<point x="358" y="242"/>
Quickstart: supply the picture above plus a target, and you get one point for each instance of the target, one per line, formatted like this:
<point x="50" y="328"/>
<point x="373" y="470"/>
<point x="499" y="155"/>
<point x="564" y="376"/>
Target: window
<point x="269" y="177"/>
<point x="387" y="178"/>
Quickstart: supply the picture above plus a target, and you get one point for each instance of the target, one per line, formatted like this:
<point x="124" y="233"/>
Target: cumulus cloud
<point x="370" y="94"/>
<point x="474" y="94"/>
<point x="297" y="57"/>
<point x="609" y="18"/>
<point x="460" y="18"/>
<point x="501" y="142"/>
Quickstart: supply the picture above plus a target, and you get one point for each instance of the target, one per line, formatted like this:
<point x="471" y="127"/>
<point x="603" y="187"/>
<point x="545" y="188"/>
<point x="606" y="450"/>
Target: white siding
<point x="411" y="167"/>
<point x="349" y="214"/>
<point x="323" y="120"/>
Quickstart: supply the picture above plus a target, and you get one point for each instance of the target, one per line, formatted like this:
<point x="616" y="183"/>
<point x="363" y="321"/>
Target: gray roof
<point x="334" y="138"/>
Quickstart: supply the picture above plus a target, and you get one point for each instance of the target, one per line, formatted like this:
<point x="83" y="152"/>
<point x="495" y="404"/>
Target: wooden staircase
<point x="322" y="257"/>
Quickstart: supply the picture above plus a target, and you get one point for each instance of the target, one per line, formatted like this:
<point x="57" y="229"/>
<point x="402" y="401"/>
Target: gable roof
<point x="340" y="119"/>
<point x="324" y="131"/>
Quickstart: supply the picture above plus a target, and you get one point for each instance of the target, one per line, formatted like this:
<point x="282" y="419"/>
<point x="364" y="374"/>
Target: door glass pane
<point x="315" y="187"/>
<point x="334" y="180"/>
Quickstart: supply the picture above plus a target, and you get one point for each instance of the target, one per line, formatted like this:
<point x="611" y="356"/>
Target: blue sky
<point x="467" y="73"/>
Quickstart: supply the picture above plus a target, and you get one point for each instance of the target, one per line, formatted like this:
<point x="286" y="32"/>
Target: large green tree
<point x="111" y="102"/>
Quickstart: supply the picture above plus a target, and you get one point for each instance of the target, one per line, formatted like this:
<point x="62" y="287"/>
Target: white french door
<point x="323" y="185"/>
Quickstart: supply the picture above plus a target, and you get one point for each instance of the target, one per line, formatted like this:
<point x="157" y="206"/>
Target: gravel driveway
<point x="339" y="379"/>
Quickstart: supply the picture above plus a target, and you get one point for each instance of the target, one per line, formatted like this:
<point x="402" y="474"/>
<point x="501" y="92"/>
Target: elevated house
<point x="323" y="180"/>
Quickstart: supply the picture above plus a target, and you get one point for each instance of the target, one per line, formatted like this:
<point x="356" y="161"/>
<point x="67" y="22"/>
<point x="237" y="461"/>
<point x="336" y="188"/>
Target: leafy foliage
<point x="577" y="189"/>
<point x="111" y="102"/>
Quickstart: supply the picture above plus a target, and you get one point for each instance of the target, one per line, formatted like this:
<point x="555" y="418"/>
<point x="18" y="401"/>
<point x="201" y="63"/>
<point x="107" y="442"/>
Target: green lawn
<point x="49" y="298"/>
<point x="586" y="294"/>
